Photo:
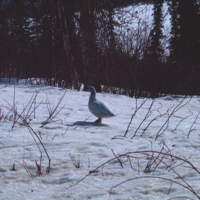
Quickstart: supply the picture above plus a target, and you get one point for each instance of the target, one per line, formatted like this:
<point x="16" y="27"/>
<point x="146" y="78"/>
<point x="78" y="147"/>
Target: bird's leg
<point x="98" y="120"/>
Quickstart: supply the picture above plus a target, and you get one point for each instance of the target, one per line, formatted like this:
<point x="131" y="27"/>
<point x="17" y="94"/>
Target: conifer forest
<point x="67" y="43"/>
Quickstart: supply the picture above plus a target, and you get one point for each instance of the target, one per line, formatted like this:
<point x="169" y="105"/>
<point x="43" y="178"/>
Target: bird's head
<point x="92" y="90"/>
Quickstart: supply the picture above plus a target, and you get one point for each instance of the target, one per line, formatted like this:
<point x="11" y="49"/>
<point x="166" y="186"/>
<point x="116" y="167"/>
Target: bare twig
<point x="183" y="118"/>
<point x="28" y="107"/>
<point x="162" y="156"/>
<point x="38" y="168"/>
<point x="154" y="177"/>
<point x="156" y="118"/>
<point x="53" y="112"/>
<point x="117" y="158"/>
<point x="146" y="116"/>
<point x="33" y="133"/>
<point x="77" y="163"/>
<point x="178" y="107"/>
<point x="137" y="108"/>
<point x="190" y="130"/>
<point x="24" y="165"/>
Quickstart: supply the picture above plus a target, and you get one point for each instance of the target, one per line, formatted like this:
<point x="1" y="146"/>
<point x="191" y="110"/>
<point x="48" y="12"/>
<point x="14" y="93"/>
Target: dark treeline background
<point x="67" y="43"/>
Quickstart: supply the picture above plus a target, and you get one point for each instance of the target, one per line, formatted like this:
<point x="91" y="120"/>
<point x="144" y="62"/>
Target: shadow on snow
<point x="84" y="123"/>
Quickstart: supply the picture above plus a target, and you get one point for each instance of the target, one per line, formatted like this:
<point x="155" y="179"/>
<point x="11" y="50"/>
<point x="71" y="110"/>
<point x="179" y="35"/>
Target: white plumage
<point x="97" y="107"/>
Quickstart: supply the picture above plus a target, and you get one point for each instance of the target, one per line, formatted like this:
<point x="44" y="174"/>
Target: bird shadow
<point x="84" y="123"/>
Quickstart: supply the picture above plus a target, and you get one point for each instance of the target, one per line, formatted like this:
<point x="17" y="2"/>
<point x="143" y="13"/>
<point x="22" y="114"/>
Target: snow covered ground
<point x="90" y="145"/>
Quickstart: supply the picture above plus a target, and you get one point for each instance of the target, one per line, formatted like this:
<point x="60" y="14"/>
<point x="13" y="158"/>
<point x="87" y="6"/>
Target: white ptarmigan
<point x="97" y="107"/>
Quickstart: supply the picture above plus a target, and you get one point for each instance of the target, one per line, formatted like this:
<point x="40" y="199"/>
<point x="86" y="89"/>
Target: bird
<point x="97" y="107"/>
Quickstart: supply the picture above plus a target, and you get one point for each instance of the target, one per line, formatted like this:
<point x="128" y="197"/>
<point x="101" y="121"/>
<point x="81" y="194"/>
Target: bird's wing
<point x="100" y="109"/>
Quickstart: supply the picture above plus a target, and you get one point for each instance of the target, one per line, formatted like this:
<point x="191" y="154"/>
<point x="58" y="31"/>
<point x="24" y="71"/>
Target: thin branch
<point x="192" y="125"/>
<point x="117" y="158"/>
<point x="146" y="117"/>
<point x="53" y="111"/>
<point x="153" y="177"/>
<point x="137" y="108"/>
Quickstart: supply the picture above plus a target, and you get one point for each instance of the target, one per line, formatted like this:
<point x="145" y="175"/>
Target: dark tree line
<point x="184" y="58"/>
<point x="67" y="43"/>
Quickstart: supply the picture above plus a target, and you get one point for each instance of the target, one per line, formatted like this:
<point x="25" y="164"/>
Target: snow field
<point x="74" y="133"/>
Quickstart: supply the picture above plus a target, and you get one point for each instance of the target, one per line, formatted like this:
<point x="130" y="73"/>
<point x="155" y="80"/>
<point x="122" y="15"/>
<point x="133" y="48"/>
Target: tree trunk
<point x="72" y="74"/>
<point x="88" y="38"/>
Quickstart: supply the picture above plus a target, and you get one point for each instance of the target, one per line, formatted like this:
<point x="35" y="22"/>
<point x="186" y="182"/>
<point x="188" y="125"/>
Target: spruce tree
<point x="185" y="45"/>
<point x="156" y="34"/>
<point x="175" y="31"/>
<point x="185" y="31"/>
